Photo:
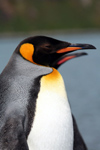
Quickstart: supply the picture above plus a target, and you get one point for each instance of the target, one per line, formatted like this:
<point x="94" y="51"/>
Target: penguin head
<point x="48" y="51"/>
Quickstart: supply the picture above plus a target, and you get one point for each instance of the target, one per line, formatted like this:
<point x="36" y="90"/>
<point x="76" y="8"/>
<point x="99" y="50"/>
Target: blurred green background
<point x="33" y="15"/>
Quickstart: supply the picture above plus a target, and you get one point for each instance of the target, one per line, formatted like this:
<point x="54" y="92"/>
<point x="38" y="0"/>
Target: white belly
<point x="52" y="127"/>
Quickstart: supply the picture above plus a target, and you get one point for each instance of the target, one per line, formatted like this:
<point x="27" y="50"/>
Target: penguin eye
<point x="48" y="46"/>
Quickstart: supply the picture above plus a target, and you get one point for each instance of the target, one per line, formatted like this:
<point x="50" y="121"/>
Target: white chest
<point x="52" y="127"/>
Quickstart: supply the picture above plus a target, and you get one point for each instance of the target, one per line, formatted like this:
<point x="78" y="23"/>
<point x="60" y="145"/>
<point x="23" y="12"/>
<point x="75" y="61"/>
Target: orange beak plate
<point x="68" y="49"/>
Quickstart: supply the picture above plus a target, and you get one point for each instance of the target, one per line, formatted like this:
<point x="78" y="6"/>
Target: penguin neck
<point x="19" y="66"/>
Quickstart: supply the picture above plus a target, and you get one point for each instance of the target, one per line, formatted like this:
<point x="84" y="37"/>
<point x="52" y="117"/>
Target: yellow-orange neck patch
<point x="27" y="50"/>
<point x="53" y="83"/>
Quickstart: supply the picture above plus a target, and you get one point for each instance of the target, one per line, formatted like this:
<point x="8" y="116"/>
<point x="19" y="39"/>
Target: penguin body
<point x="50" y="100"/>
<point x="34" y="109"/>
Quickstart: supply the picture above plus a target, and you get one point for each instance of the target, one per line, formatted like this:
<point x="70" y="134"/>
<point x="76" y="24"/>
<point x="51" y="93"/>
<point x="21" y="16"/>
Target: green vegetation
<point x="33" y="15"/>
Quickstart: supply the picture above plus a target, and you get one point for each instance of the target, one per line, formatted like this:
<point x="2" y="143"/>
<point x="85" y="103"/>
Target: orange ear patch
<point x="27" y="50"/>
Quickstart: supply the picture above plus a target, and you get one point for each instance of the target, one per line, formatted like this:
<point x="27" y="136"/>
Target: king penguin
<point x="34" y="110"/>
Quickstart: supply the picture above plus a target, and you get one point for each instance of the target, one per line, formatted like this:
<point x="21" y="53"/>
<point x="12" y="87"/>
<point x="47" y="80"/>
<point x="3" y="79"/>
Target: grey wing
<point x="79" y="143"/>
<point x="12" y="136"/>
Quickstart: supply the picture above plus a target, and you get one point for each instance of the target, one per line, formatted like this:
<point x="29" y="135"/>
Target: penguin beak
<point x="74" y="47"/>
<point x="64" y="56"/>
<point x="68" y="57"/>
